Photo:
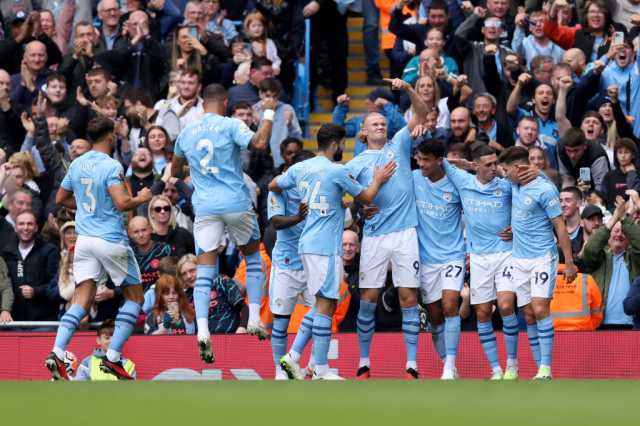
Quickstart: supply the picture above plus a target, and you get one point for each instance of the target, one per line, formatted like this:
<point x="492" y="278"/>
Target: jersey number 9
<point x="205" y="168"/>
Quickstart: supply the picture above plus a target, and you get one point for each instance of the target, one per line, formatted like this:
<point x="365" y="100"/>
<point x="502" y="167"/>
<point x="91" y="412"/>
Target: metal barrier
<point x="38" y="324"/>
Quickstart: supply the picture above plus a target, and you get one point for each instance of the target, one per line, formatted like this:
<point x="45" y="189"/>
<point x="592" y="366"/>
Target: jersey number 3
<point x="89" y="207"/>
<point x="205" y="168"/>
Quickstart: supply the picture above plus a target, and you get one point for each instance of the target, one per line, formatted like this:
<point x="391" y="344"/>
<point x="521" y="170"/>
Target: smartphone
<point x="193" y="32"/>
<point x="618" y="37"/>
<point x="585" y="174"/>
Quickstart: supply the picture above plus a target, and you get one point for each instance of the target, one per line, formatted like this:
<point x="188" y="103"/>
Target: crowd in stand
<point x="560" y="78"/>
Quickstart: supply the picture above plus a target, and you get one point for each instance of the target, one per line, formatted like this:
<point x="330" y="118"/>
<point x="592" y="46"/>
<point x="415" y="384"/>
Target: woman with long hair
<point x="66" y="283"/>
<point x="162" y="217"/>
<point x="158" y="141"/>
<point x="189" y="50"/>
<point x="538" y="158"/>
<point x="592" y="36"/>
<point x="622" y="178"/>
<point x="171" y="313"/>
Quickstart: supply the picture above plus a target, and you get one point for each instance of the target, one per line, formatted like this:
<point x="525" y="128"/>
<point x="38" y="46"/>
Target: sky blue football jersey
<point x="285" y="252"/>
<point x="322" y="185"/>
<point x="440" y="232"/>
<point x="487" y="210"/>
<point x="533" y="207"/>
<point x="395" y="199"/>
<point x="89" y="178"/>
<point x="212" y="147"/>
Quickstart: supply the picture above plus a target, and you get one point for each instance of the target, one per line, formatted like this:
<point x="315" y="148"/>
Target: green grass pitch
<point x="469" y="403"/>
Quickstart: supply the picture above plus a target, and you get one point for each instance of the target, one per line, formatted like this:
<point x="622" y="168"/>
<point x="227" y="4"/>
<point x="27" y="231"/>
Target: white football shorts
<point x="209" y="231"/>
<point x="288" y="287"/>
<point x="324" y="274"/>
<point x="96" y="258"/>
<point x="490" y="274"/>
<point x="534" y="277"/>
<point x="398" y="248"/>
<point x="437" y="277"/>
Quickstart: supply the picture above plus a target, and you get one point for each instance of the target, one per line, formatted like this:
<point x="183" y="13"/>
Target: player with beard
<point x="390" y="235"/>
<point x="95" y="184"/>
<point x="222" y="203"/>
<point x="322" y="184"/>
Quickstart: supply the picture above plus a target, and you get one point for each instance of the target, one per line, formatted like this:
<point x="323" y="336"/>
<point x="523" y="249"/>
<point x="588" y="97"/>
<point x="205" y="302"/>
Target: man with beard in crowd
<point x="142" y="175"/>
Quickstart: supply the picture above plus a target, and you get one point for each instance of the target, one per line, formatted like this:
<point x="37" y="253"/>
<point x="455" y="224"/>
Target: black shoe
<point x="411" y="374"/>
<point x="56" y="367"/>
<point x="363" y="373"/>
<point x="115" y="368"/>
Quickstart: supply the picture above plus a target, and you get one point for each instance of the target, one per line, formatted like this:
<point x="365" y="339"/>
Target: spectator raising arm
<point x="514" y="97"/>
<point x="564" y="85"/>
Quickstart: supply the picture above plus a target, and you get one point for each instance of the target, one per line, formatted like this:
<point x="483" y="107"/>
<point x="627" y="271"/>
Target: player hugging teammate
<point x="415" y="222"/>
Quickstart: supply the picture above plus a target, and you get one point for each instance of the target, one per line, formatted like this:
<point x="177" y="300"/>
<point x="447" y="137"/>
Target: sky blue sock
<point x="304" y="332"/>
<point x="205" y="274"/>
<point x="534" y="342"/>
<point x="279" y="337"/>
<point x="510" y="330"/>
<point x="452" y="334"/>
<point x="410" y="331"/>
<point x="255" y="277"/>
<point x="366" y="324"/>
<point x="545" y="335"/>
<point x="125" y="323"/>
<point x="68" y="325"/>
<point x="321" y="338"/>
<point x="488" y="341"/>
<point x="437" y="336"/>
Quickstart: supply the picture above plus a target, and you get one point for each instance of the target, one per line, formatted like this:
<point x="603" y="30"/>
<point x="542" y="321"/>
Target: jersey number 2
<point x="88" y="186"/>
<point x="205" y="168"/>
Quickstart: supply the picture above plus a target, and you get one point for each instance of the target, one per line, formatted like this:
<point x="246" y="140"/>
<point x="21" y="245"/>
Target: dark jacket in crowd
<point x="594" y="158"/>
<point x="37" y="270"/>
<point x="11" y="131"/>
<point x="54" y="163"/>
<point x="631" y="304"/>
<point x="179" y="239"/>
<point x="12" y="52"/>
<point x="142" y="66"/>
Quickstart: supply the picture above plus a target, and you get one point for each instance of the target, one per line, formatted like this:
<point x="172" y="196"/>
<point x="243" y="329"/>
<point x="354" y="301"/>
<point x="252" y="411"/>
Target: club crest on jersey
<point x="528" y="201"/>
<point x="390" y="155"/>
<point x="498" y="193"/>
<point x="447" y="196"/>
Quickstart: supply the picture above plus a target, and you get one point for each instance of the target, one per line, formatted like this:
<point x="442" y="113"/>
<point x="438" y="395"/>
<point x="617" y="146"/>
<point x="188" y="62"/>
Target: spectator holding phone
<point x="171" y="313"/>
<point x="581" y="163"/>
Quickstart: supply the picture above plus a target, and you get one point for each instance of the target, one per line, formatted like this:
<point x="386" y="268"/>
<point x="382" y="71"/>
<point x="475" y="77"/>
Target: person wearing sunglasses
<point x="162" y="217"/>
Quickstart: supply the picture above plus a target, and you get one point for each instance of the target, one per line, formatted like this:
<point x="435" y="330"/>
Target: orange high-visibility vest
<point x="387" y="39"/>
<point x="576" y="305"/>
